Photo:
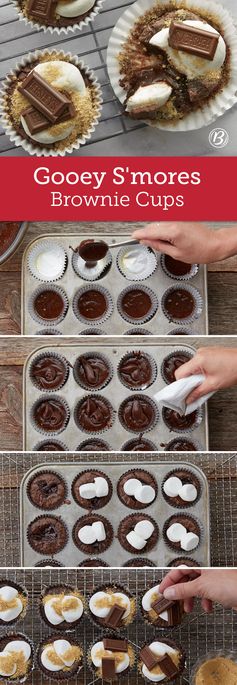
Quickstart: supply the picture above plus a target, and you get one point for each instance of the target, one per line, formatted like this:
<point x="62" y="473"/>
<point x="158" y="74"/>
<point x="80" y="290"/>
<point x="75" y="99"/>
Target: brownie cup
<point x="93" y="446"/>
<point x="47" y="534"/>
<point x="139" y="445"/>
<point x="137" y="370"/>
<point x="49" y="563"/>
<point x="13" y="602"/>
<point x="92" y="489"/>
<point x="158" y="611"/>
<point x="176" y="422"/>
<point x="49" y="372"/>
<point x="172" y="362"/>
<point x="138" y="413"/>
<point x="59" y="659"/>
<point x="92" y="304"/>
<point x="103" y="601"/>
<point x="183" y="562"/>
<point x="182" y="532"/>
<point x="137" y="489"/>
<point x="49" y="304"/>
<point x="16" y="657"/>
<point x="92" y="534"/>
<point x="110" y="663"/>
<point x="178" y="304"/>
<point x="92" y="371"/>
<point x="175" y="268"/>
<point x="167" y="664"/>
<point x="181" y="445"/>
<point x="50" y="415"/>
<point x="50" y="446"/>
<point x="139" y="563"/>
<point x="93" y="563"/>
<point x="181" y="488"/>
<point x="61" y="607"/>
<point x="137" y="304"/>
<point x="54" y="17"/>
<point x="94" y="414"/>
<point x="47" y="490"/>
<point x="136" y="537"/>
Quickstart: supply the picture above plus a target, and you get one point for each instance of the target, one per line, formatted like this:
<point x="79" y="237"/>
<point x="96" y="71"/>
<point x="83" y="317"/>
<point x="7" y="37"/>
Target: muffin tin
<point x="115" y="511"/>
<point x="114" y="282"/>
<point x="115" y="392"/>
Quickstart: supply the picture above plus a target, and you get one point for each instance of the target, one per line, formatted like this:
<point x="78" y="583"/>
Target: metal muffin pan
<point x="115" y="282"/>
<point x="115" y="392"/>
<point x="115" y="511"/>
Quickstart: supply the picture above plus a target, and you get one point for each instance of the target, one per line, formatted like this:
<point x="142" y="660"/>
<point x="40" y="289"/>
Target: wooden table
<point x="222" y="291"/>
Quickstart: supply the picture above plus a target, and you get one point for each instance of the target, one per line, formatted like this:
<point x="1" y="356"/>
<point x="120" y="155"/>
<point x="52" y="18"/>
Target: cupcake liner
<point x="58" y="676"/>
<point x="93" y="563"/>
<point x="56" y="356"/>
<point x="102" y="430"/>
<point x="37" y="317"/>
<point x="93" y="273"/>
<point x="226" y="654"/>
<point x="49" y="563"/>
<point x="44" y="398"/>
<point x="183" y="560"/>
<point x="92" y="331"/>
<point x="60" y="29"/>
<point x="44" y="472"/>
<point x="100" y="547"/>
<point x="138" y="331"/>
<point x="198" y="446"/>
<point x="179" y="350"/>
<point x="180" y="331"/>
<point x="13" y="635"/>
<point x="149" y="315"/>
<point x="109" y="302"/>
<point x="142" y="386"/>
<point x="55" y="518"/>
<point x="148" y="271"/>
<point x="49" y="331"/>
<point x="100" y="501"/>
<point x="135" y="518"/>
<point x="195" y="481"/>
<point x="58" y="589"/>
<point x="177" y="517"/>
<point x="36" y="250"/>
<point x="176" y="646"/>
<point x="181" y="431"/>
<point x="198" y="307"/>
<point x="151" y="402"/>
<point x="97" y="355"/>
<point x="115" y="587"/>
<point x="83" y="447"/>
<point x="95" y="669"/>
<point x="61" y="446"/>
<point x="221" y="102"/>
<point x="139" y="474"/>
<point x="187" y="277"/>
<point x="34" y="148"/>
<point x="127" y="447"/>
<point x="21" y="590"/>
<point x="139" y="562"/>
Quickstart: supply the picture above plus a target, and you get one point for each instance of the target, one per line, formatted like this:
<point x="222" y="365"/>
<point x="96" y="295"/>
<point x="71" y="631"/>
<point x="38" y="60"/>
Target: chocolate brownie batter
<point x="91" y="370"/>
<point x="181" y="445"/>
<point x="179" y="304"/>
<point x="128" y="524"/>
<point x="176" y="422"/>
<point x="139" y="445"/>
<point x="49" y="372"/>
<point x="145" y="478"/>
<point x="47" y="490"/>
<point x="175" y="267"/>
<point x="135" y="370"/>
<point x="49" y="305"/>
<point x="137" y="413"/>
<point x="50" y="415"/>
<point x="92" y="304"/>
<point x="188" y="522"/>
<point x="47" y="535"/>
<point x="136" y="303"/>
<point x="88" y="477"/>
<point x="96" y="547"/>
<point x="171" y="363"/>
<point x="8" y="233"/>
<point x="92" y="250"/>
<point x="94" y="414"/>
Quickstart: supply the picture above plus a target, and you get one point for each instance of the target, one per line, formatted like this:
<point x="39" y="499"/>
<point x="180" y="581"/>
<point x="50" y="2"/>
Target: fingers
<point x="188" y="605"/>
<point x="188" y="369"/>
<point x="155" y="231"/>
<point x="207" y="605"/>
<point x="175" y="576"/>
<point x="202" y="389"/>
<point x="183" y="590"/>
<point x="160" y="246"/>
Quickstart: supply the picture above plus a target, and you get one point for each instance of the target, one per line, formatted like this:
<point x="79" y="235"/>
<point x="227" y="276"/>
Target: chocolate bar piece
<point x="161" y="605"/>
<point x="42" y="9"/>
<point x="149" y="659"/>
<point x="115" y="645"/>
<point x="113" y="620"/>
<point x="36" y="121"/>
<point x="43" y="97"/>
<point x="108" y="668"/>
<point x="193" y="40"/>
<point x="167" y="666"/>
<point x="175" y="614"/>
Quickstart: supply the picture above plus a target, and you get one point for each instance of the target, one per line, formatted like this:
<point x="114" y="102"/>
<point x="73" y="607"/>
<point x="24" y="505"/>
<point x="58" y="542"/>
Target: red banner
<point x="118" y="189"/>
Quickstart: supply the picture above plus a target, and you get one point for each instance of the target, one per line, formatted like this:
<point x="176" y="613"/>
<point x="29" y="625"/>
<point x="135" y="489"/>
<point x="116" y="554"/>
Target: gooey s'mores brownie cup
<point x="112" y="607"/>
<point x="159" y="611"/>
<point x="50" y="103"/>
<point x="111" y="658"/>
<point x="161" y="660"/>
<point x="59" y="14"/>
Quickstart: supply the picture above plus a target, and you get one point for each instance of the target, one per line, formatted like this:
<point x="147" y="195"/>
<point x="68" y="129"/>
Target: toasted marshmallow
<point x="175" y="532"/>
<point x="87" y="535"/>
<point x="155" y="95"/>
<point x="189" y="542"/>
<point x="74" y="8"/>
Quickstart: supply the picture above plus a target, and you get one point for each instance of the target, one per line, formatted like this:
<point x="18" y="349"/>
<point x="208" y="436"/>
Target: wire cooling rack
<point x="199" y="634"/>
<point x="220" y="469"/>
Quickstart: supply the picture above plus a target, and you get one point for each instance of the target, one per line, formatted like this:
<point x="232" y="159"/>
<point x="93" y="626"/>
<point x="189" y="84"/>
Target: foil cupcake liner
<point x="151" y="361"/>
<point x="194" y="268"/>
<point x="221" y="102"/>
<point x="142" y="319"/>
<point x="97" y="355"/>
<point x="102" y="430"/>
<point x="181" y="431"/>
<point x="92" y="331"/>
<point x="104" y="544"/>
<point x="138" y="331"/>
<point x="138" y="472"/>
<point x="13" y="635"/>
<point x="105" y="499"/>
<point x="55" y="518"/>
<point x="134" y="518"/>
<point x="226" y="654"/>
<point x="138" y="563"/>
<point x="128" y="447"/>
<point x="56" y="356"/>
<point x="33" y="148"/>
<point x="37" y="317"/>
<point x="150" y="267"/>
<point x="22" y="590"/>
<point x="36" y="250"/>
<point x="99" y="319"/>
<point x="179" y="350"/>
<point x="45" y="472"/>
<point x="49" y="331"/>
<point x="61" y="446"/>
<point x="55" y="589"/>
<point x="167" y="679"/>
<point x="198" y="304"/>
<point x="58" y="676"/>
<point x="59" y="30"/>
<point x="197" y="445"/>
<point x="44" y="398"/>
<point x="93" y="273"/>
<point x="193" y="479"/>
<point x="151" y="403"/>
<point x="95" y="669"/>
<point x="182" y="560"/>
<point x="83" y="447"/>
<point x="180" y="331"/>
<point x="178" y="517"/>
<point x="115" y="587"/>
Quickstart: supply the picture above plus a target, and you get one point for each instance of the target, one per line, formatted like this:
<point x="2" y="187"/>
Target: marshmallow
<point x="100" y="604"/>
<point x="135" y="541"/>
<point x="176" y="532"/>
<point x="87" y="490"/>
<point x="144" y="528"/>
<point x="50" y="613"/>
<point x="87" y="535"/>
<point x="101" y="486"/>
<point x="61" y="648"/>
<point x="189" y="541"/>
<point x="99" y="530"/>
<point x="75" y="8"/>
<point x="188" y="492"/>
<point x="145" y="494"/>
<point x="46" y="661"/>
<point x="120" y="597"/>
<point x="150" y="597"/>
<point x="98" y="650"/>
<point x="9" y="594"/>
<point x="123" y="663"/>
<point x="5" y="669"/>
<point x="159" y="649"/>
<point x="172" y="486"/>
<point x="154" y="94"/>
<point x="71" y="615"/>
<point x="19" y="646"/>
<point x="131" y="486"/>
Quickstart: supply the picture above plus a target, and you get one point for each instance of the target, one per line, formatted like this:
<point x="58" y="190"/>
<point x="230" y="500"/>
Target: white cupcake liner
<point x="180" y="331"/>
<point x="39" y="319"/>
<point x="137" y="331"/>
<point x="104" y="316"/>
<point x="142" y="386"/>
<point x="151" y="267"/>
<point x="60" y="29"/>
<point x="198" y="306"/>
<point x="43" y="431"/>
<point x="93" y="273"/>
<point x="219" y="103"/>
<point x="56" y="356"/>
<point x="150" y="313"/>
<point x="92" y="331"/>
<point x="33" y="148"/>
<point x="139" y="431"/>
<point x="103" y="358"/>
<point x="36" y="250"/>
<point x="179" y="350"/>
<point x="49" y="331"/>
<point x="182" y="431"/>
<point x="187" y="277"/>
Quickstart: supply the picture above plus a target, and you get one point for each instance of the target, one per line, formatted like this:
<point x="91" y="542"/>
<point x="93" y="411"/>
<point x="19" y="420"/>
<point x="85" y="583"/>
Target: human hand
<point x="217" y="364"/>
<point x="188" y="242"/>
<point x="210" y="585"/>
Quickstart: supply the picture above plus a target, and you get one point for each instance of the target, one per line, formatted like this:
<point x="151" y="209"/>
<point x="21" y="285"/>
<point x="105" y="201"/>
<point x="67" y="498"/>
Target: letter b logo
<point x="218" y="137"/>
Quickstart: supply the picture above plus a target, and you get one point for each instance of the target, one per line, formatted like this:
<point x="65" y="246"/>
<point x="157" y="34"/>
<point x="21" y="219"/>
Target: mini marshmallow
<point x="87" y="490"/>
<point x="176" y="532"/>
<point x="131" y="485"/>
<point x="71" y="615"/>
<point x="100" y="604"/>
<point x="189" y="541"/>
<point x="52" y="616"/>
<point x="99" y="530"/>
<point x="155" y="94"/>
<point x="101" y="487"/>
<point x="13" y="612"/>
<point x="188" y="492"/>
<point x="61" y="648"/>
<point x="144" y="529"/>
<point x="46" y="661"/>
<point x="172" y="486"/>
<point x="19" y="646"/>
<point x="145" y="494"/>
<point x="135" y="540"/>
<point x="87" y="535"/>
<point x="8" y="593"/>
